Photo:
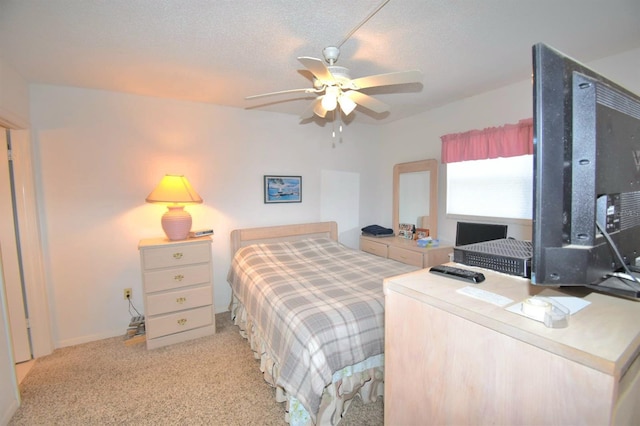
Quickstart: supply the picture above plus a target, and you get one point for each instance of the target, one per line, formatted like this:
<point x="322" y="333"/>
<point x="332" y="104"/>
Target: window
<point x="497" y="187"/>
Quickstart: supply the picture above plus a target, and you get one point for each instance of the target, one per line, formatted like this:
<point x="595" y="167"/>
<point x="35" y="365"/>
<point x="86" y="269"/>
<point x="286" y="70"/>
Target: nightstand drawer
<point x="405" y="256"/>
<point x="165" y="279"/>
<point x="372" y="247"/>
<point x="178" y="322"/>
<point x="188" y="298"/>
<point x="175" y="255"/>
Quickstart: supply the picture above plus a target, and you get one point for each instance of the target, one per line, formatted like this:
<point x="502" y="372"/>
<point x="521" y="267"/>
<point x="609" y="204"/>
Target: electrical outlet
<point x="127" y="293"/>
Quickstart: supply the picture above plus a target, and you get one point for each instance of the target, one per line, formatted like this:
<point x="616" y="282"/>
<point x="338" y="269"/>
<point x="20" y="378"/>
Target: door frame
<point x="31" y="243"/>
<point x="13" y="282"/>
<point x="9" y="391"/>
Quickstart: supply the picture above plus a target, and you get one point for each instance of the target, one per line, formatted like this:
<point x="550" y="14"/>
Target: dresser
<point x="178" y="290"/>
<point x="405" y="251"/>
<point x="454" y="359"/>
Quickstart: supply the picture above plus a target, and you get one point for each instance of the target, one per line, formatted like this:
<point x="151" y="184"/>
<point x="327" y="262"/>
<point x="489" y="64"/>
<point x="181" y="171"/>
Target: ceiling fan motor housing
<point x="341" y="74"/>
<point x="331" y="54"/>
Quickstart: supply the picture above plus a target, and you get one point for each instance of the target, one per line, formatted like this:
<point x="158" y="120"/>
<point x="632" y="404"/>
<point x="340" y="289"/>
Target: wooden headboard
<point x="244" y="237"/>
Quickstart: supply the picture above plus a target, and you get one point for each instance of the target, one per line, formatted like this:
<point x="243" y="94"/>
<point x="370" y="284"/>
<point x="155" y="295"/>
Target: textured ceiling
<point x="219" y="51"/>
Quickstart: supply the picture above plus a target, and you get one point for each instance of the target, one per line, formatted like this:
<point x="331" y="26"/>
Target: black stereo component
<point x="506" y="255"/>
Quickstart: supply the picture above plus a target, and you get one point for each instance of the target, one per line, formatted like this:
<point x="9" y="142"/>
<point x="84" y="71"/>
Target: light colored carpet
<point x="212" y="380"/>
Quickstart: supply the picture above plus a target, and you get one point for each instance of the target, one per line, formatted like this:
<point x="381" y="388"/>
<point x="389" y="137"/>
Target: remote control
<point x="458" y="273"/>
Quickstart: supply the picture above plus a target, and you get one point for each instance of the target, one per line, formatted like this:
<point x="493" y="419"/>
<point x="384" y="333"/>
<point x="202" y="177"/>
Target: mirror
<point x="415" y="195"/>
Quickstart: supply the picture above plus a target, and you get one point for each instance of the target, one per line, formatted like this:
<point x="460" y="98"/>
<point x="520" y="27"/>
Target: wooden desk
<point x="405" y="251"/>
<point x="453" y="359"/>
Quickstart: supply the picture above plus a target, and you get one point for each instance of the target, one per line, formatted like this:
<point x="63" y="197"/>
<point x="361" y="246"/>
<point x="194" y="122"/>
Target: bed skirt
<point x="364" y="379"/>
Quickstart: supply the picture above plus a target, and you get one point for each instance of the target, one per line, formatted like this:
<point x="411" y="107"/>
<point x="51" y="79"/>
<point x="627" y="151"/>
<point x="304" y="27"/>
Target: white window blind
<point x="497" y="187"/>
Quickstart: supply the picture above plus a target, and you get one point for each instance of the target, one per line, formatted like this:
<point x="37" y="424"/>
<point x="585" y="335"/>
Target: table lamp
<point x="175" y="191"/>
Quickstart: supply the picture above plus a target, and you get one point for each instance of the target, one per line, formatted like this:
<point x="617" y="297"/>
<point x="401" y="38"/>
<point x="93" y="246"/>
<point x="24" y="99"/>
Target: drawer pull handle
<point x="178" y="277"/>
<point x="181" y="300"/>
<point x="182" y="321"/>
<point x="177" y="256"/>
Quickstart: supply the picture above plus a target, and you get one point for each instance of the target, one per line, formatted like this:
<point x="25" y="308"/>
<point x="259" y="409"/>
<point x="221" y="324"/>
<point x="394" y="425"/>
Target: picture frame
<point x="282" y="189"/>
<point x="405" y="230"/>
<point x="421" y="233"/>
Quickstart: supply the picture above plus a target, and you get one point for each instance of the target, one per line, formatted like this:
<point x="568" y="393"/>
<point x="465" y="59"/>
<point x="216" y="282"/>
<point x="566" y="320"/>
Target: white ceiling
<point x="219" y="51"/>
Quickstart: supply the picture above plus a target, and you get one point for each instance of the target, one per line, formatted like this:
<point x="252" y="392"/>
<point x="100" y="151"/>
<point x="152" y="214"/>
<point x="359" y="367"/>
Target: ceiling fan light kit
<point x="317" y="109"/>
<point x="330" y="98"/>
<point x="347" y="105"/>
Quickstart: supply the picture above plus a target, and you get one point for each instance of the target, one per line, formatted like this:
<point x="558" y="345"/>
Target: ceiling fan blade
<point x="310" y="110"/>
<point x="317" y="68"/>
<point x="367" y="101"/>
<point x="281" y="93"/>
<point x="400" y="77"/>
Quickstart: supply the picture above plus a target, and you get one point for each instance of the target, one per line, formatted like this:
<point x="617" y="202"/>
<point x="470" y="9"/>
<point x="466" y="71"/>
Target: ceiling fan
<point x="335" y="88"/>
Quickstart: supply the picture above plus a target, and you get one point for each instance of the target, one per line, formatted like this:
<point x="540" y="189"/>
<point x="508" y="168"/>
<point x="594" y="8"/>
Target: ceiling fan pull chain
<point x="340" y="125"/>
<point x="333" y="125"/>
<point x="333" y="132"/>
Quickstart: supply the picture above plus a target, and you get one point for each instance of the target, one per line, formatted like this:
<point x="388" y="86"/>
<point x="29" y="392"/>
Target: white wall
<point x="622" y="69"/>
<point x="418" y="137"/>
<point x="14" y="98"/>
<point x="340" y="200"/>
<point x="100" y="154"/>
<point x="422" y="133"/>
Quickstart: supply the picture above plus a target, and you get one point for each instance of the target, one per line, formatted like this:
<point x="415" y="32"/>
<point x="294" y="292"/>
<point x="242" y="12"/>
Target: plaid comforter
<point x="318" y="305"/>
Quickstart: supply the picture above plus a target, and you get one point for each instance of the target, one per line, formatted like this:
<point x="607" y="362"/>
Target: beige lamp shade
<point x="175" y="191"/>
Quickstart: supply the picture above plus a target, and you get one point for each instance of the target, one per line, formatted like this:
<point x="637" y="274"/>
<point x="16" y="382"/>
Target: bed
<point x="313" y="313"/>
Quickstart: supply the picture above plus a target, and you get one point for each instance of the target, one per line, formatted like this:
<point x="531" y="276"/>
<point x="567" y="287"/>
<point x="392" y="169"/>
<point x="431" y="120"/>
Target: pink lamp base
<point x="176" y="223"/>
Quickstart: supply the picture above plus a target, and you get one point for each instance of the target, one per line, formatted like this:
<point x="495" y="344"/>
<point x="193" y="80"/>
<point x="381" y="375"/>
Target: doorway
<point x="26" y="246"/>
<point x="11" y="259"/>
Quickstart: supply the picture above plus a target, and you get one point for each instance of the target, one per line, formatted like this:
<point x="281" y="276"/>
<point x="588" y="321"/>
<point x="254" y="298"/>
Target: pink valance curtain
<point x="509" y="140"/>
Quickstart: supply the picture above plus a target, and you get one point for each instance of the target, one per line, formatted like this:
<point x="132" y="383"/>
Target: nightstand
<point x="178" y="290"/>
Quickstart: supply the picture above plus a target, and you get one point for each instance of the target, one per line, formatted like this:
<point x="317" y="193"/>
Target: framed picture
<point x="282" y="189"/>
<point x="422" y="233"/>
<point x="405" y="230"/>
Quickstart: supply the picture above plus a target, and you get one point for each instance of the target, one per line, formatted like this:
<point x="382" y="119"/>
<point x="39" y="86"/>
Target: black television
<point x="586" y="206"/>
<point x="471" y="233"/>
